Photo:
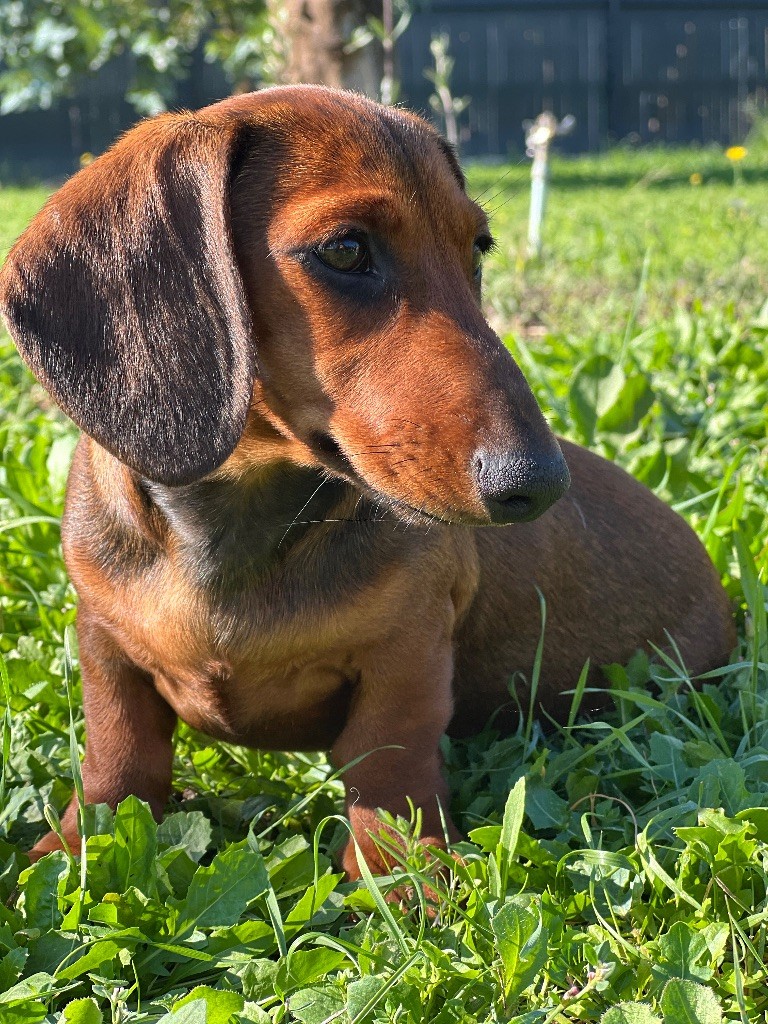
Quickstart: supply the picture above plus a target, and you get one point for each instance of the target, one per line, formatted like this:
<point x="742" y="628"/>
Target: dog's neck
<point x="232" y="531"/>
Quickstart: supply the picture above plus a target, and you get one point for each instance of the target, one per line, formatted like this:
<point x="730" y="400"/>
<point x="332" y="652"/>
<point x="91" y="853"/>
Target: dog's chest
<point x="300" y="704"/>
<point x="273" y="664"/>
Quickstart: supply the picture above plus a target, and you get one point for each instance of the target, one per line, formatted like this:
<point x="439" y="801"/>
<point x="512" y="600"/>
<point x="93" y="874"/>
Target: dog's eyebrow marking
<point x="449" y="154"/>
<point x="403" y="132"/>
<point x="322" y="216"/>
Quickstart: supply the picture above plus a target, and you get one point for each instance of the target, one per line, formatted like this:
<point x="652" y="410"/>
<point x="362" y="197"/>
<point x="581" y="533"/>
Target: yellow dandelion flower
<point x="86" y="158"/>
<point x="736" y="153"/>
<point x="696" y="178"/>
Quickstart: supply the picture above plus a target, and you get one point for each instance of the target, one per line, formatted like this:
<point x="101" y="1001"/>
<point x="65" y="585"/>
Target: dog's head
<point x="289" y="274"/>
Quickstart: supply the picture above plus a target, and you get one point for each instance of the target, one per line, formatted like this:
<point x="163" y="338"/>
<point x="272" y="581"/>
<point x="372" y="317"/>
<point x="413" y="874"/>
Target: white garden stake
<point x="538" y="136"/>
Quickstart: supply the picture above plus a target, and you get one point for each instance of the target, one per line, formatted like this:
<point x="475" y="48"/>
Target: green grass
<point x="610" y="864"/>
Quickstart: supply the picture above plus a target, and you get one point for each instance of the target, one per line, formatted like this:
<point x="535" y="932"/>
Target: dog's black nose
<point x="517" y="487"/>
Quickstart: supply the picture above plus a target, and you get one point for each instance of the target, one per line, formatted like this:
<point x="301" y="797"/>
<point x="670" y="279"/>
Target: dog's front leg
<point x="128" y="733"/>
<point x="403" y="703"/>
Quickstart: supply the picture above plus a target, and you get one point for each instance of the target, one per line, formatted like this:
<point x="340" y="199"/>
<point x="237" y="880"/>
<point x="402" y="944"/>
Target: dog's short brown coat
<point x="276" y="515"/>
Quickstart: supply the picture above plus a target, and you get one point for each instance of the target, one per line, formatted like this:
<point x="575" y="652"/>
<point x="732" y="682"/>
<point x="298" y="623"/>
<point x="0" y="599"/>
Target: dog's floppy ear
<point x="125" y="299"/>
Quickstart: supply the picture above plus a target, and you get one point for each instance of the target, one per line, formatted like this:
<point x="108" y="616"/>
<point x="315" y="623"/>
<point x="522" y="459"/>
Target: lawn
<point x="614" y="870"/>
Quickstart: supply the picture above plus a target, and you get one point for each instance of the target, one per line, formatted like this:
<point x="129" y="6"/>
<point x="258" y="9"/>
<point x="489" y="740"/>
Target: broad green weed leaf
<point x="361" y="994"/>
<point x="47" y="952"/>
<point x="187" y="830"/>
<point x="290" y="863"/>
<point x="685" y="1002"/>
<point x="305" y="967"/>
<point x="82" y="1011"/>
<point x="544" y="807"/>
<point x="252" y="1014"/>
<point x="257" y="937"/>
<point x="595" y="386"/>
<point x="494" y="877"/>
<point x="94" y="956"/>
<point x="39" y="884"/>
<point x="487" y="837"/>
<point x="608" y="878"/>
<point x="630" y="1013"/>
<point x="713" y="829"/>
<point x="679" y="953"/>
<point x="38" y="986"/>
<point x="179" y="870"/>
<point x="733" y="787"/>
<point x="757" y="816"/>
<point x="521" y="940"/>
<point x="654" y="870"/>
<point x="11" y="966"/>
<point x="310" y="903"/>
<point x="99" y="820"/>
<point x="135" y="846"/>
<point x="193" y="1013"/>
<point x="510" y="829"/>
<point x="28" y="1013"/>
<point x="631" y="404"/>
<point x="133" y="910"/>
<point x="715" y="818"/>
<point x="368" y="993"/>
<point x="219" y="894"/>
<point x="316" y="1005"/>
<point x="666" y="756"/>
<point x="716" y="936"/>
<point x="721" y="783"/>
<point x="258" y="978"/>
<point x="220" y="1005"/>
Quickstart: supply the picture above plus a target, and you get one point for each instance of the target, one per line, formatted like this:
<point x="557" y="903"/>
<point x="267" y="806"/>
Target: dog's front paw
<point x="384" y="842"/>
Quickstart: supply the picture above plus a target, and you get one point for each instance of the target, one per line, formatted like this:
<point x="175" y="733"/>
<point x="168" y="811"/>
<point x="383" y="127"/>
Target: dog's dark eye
<point x="348" y="254"/>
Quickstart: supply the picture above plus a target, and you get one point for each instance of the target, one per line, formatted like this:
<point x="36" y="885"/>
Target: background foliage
<point x="615" y="869"/>
<point x="47" y="46"/>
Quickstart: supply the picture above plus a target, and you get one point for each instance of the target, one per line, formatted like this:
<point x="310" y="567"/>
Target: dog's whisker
<point x="495" y="210"/>
<point x="487" y="204"/>
<point x="497" y="181"/>
<point x="322" y="483"/>
<point x="378" y="449"/>
<point x="512" y="189"/>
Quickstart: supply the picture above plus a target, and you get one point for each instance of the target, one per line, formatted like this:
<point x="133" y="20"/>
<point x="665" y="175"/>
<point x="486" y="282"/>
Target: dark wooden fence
<point x="644" y="70"/>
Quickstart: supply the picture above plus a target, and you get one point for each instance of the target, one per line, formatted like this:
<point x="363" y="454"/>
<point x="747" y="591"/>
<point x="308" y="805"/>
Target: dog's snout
<point x="516" y="487"/>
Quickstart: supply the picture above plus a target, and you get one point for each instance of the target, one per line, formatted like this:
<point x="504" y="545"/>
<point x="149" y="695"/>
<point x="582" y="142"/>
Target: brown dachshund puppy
<point x="299" y="437"/>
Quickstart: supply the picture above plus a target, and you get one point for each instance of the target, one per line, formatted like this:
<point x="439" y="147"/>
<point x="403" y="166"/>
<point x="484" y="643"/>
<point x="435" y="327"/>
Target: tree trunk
<point x="317" y="34"/>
